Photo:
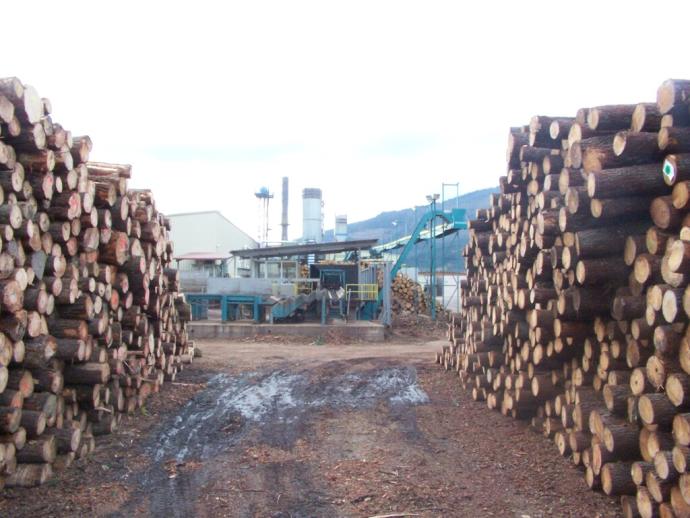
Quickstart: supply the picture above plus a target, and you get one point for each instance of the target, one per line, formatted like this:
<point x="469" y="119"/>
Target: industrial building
<point x="238" y="285"/>
<point x="207" y="253"/>
<point x="344" y="282"/>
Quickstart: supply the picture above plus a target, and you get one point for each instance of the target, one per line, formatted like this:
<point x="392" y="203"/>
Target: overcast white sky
<point x="375" y="102"/>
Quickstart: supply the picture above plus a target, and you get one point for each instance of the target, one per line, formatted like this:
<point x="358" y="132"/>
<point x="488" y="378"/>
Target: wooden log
<point x="658" y="368"/>
<point x="637" y="147"/>
<point x="11" y="295"/>
<point x="22" y="381"/>
<point x="609" y="151"/>
<point x="681" y="458"/>
<point x="674" y="140"/>
<point x="11" y="398"/>
<point x="639" y="470"/>
<point x="659" y="489"/>
<point x="29" y="475"/>
<point x="66" y="439"/>
<point x="610" y="117"/>
<point x="671" y="304"/>
<point x="664" y="214"/>
<point x="116" y="251"/>
<point x="667" y="341"/>
<point x="616" y="479"/>
<point x="616" y="397"/>
<point x="71" y="349"/>
<point x="671" y="94"/>
<point x="626" y="181"/>
<point x="63" y="461"/>
<point x="684" y="486"/>
<point x="612" y="208"/>
<point x="681" y="428"/>
<point x="41" y="402"/>
<point x="663" y="466"/>
<point x="678" y="256"/>
<point x="597" y="271"/>
<point x="646" y="117"/>
<point x="629" y="506"/>
<point x="10" y="419"/>
<point x="656" y="409"/>
<point x="677" y="388"/>
<point x="39" y="450"/>
<point x="676" y="168"/>
<point x="603" y="242"/>
<point x="48" y="379"/>
<point x="622" y="440"/>
<point x="678" y="504"/>
<point x="33" y="422"/>
<point x="66" y="328"/>
<point x="87" y="373"/>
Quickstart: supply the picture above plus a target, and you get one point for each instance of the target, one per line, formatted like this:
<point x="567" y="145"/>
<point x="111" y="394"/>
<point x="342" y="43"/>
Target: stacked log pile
<point x="91" y="322"/>
<point x="576" y="305"/>
<point x="407" y="295"/>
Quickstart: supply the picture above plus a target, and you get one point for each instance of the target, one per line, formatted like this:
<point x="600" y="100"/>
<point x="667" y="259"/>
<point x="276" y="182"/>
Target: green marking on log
<point x="669" y="171"/>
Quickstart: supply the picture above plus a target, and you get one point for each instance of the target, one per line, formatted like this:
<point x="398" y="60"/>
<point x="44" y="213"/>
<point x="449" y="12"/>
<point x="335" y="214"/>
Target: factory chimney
<point x="341" y="227"/>
<point x="284" y="219"/>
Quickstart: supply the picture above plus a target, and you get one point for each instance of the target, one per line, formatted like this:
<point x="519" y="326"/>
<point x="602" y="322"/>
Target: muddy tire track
<point x="274" y="408"/>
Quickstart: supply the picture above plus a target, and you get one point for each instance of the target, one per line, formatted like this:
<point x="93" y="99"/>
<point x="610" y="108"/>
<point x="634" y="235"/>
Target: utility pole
<point x="432" y="267"/>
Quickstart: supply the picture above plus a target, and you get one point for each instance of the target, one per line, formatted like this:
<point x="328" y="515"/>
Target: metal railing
<point x="362" y="291"/>
<point x="305" y="285"/>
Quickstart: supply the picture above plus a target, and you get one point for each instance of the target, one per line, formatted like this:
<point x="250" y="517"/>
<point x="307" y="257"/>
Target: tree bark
<point x="633" y="180"/>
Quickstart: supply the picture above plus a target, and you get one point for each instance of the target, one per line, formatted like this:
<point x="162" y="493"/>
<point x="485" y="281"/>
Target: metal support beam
<point x="432" y="267"/>
<point x="386" y="315"/>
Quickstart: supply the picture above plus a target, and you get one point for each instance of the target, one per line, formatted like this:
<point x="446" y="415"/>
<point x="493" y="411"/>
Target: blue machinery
<point x="452" y="221"/>
<point x="228" y="304"/>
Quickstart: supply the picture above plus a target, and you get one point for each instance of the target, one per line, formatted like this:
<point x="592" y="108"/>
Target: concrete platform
<point x="368" y="331"/>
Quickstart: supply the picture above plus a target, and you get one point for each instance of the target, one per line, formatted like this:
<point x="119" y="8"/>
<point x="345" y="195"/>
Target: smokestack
<point x="312" y="222"/>
<point x="284" y="219"/>
<point x="341" y="227"/>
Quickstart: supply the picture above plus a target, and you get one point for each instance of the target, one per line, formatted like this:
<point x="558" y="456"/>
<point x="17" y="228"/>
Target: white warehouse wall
<point x="207" y="232"/>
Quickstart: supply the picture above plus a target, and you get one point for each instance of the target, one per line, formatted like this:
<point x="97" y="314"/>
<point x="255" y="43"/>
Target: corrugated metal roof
<point x="313" y="248"/>
<point x="202" y="256"/>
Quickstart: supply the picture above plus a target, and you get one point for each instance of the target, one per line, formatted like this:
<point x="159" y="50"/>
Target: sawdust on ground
<point x="449" y="457"/>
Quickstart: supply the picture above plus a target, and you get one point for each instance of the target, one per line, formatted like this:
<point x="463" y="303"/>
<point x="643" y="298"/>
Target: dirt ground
<point x="274" y="429"/>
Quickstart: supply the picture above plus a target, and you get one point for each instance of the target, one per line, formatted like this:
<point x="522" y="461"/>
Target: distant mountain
<point x="391" y="225"/>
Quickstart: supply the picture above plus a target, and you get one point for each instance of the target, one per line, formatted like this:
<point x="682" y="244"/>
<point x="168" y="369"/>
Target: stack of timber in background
<point x="407" y="295"/>
<point x="576" y="305"/>
<point x="91" y="322"/>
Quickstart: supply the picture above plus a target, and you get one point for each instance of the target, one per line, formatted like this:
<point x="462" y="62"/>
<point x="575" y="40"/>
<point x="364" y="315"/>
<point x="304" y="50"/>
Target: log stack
<point x="407" y="296"/>
<point x="576" y="305"/>
<point x="91" y="321"/>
